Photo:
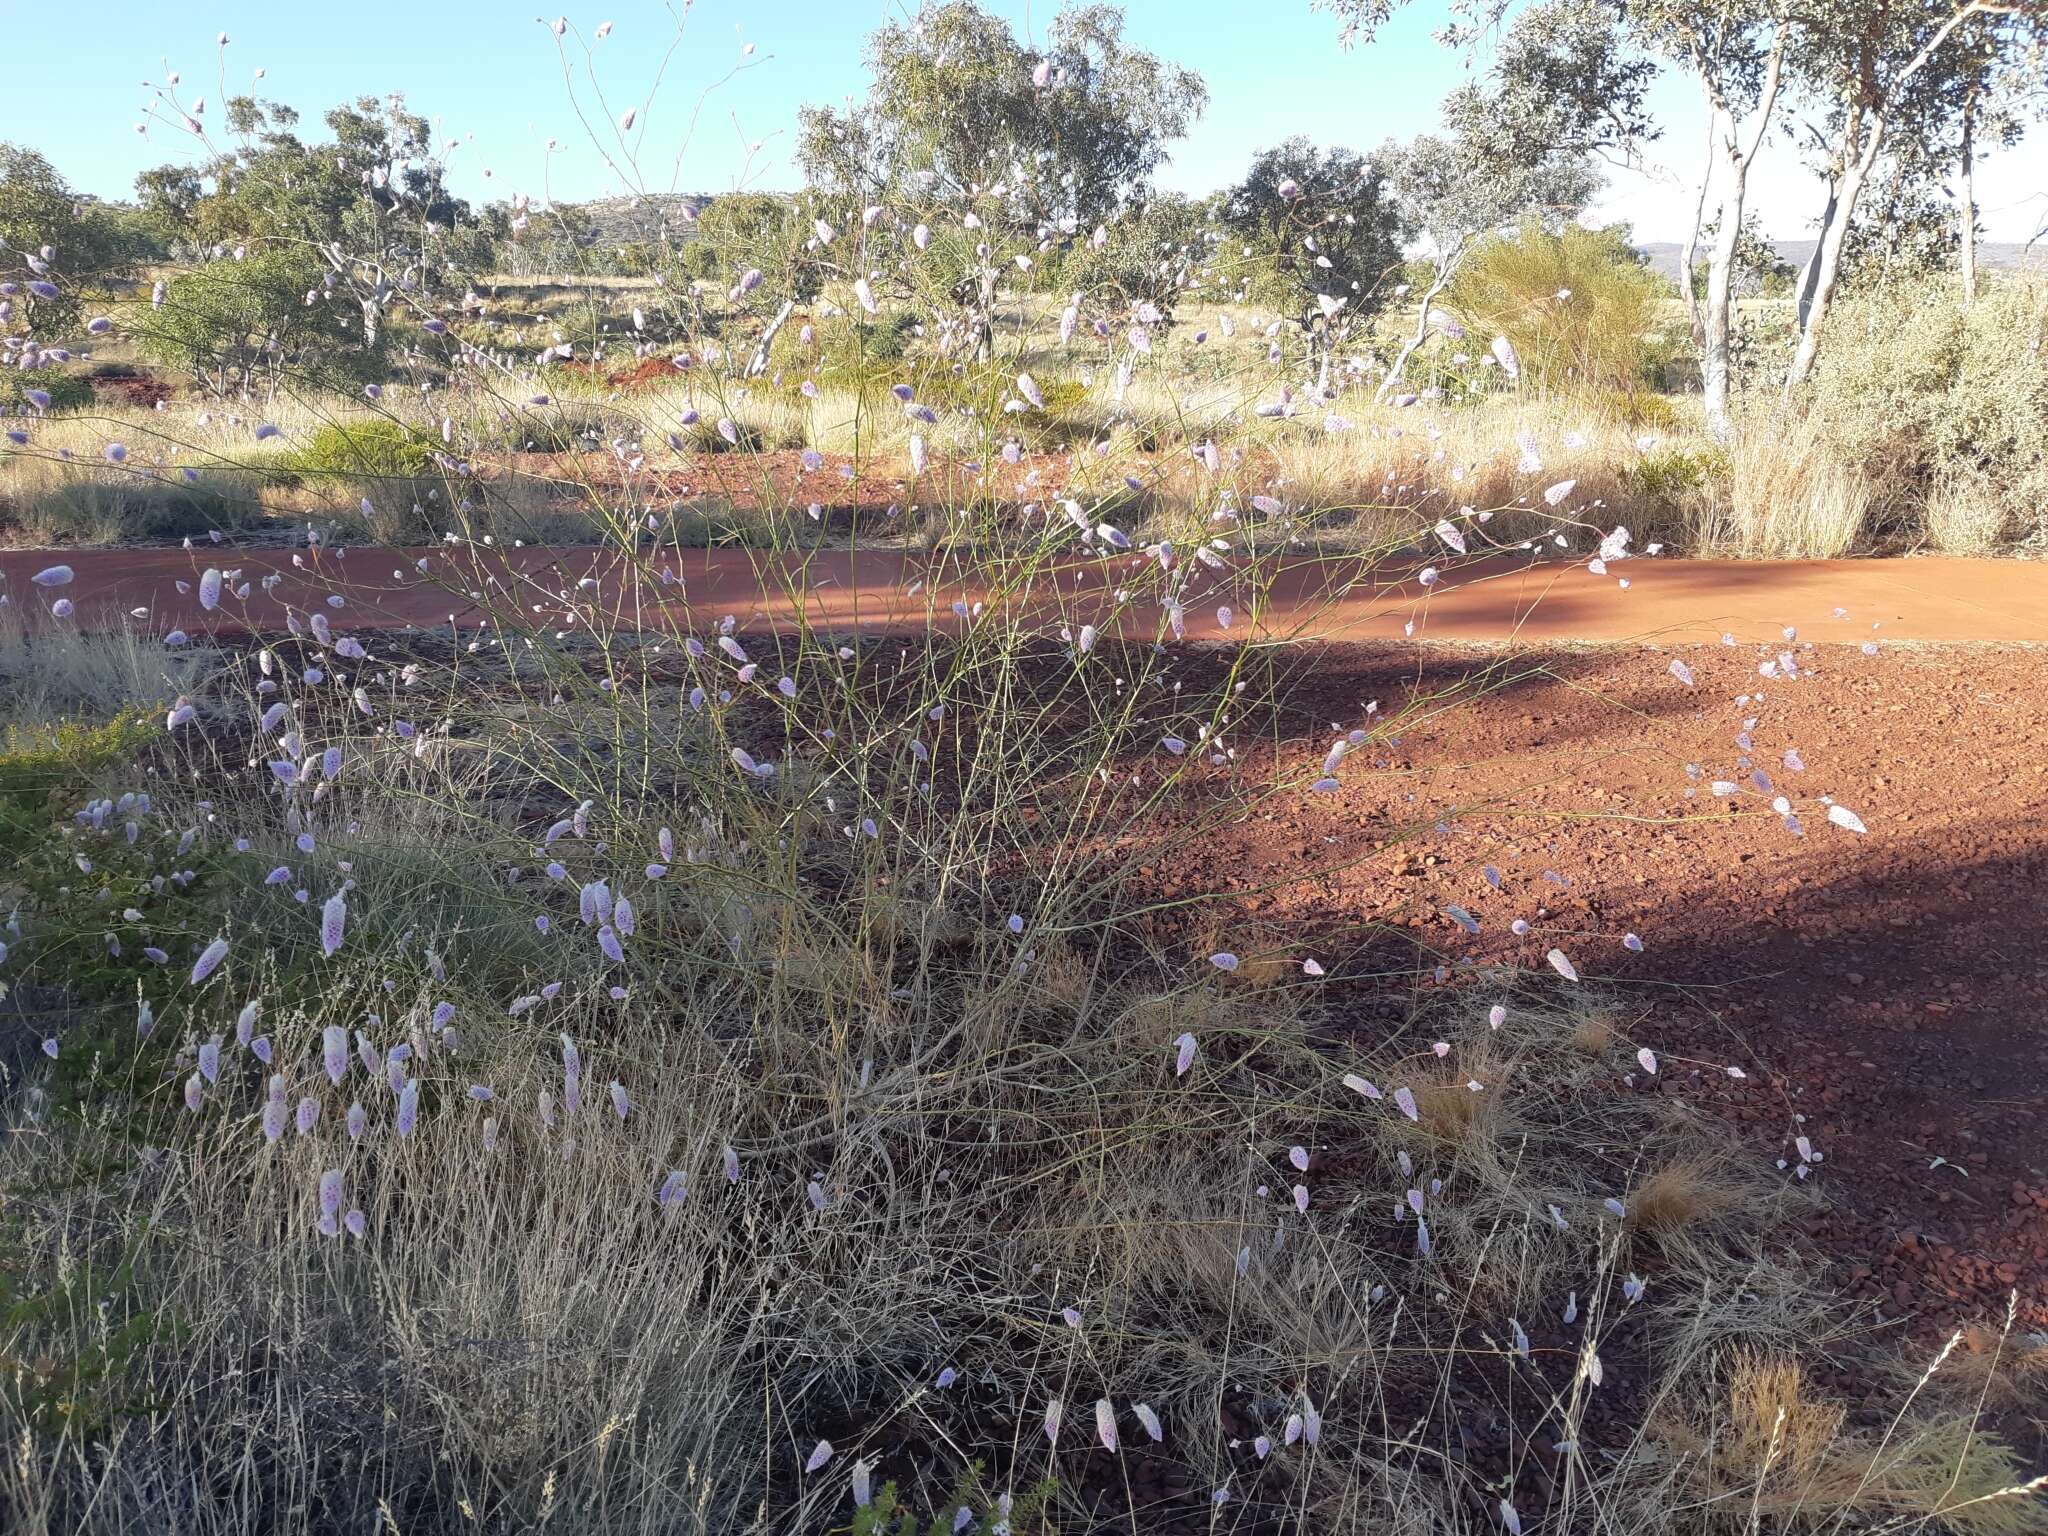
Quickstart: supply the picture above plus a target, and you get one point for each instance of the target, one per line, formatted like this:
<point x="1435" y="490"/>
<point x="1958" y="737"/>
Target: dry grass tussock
<point x="1769" y="1451"/>
<point x="522" y="1257"/>
<point x="1397" y="474"/>
<point x="1789" y="496"/>
<point x="70" y="675"/>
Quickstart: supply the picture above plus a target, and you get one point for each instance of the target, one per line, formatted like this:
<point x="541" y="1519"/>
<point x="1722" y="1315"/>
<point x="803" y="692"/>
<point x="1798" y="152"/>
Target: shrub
<point x="67" y="391"/>
<point x="760" y="420"/>
<point x="1669" y="473"/>
<point x="566" y="426"/>
<point x="1965" y="518"/>
<point x="374" y="447"/>
<point x="890" y="1515"/>
<point x="381" y="476"/>
<point x="758" y="231"/>
<point x="844" y="351"/>
<point x="44" y="760"/>
<point x="985" y="390"/>
<point x="1944" y="410"/>
<point x="1579" y="305"/>
<point x="238" y="326"/>
<point x="1639" y="409"/>
<point x="1149" y="255"/>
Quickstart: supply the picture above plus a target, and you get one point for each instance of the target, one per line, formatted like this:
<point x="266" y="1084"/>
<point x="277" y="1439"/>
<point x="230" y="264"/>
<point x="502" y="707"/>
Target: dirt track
<point x="1507" y="599"/>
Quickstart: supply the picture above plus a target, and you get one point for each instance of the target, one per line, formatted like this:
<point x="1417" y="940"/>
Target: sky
<point x="714" y="117"/>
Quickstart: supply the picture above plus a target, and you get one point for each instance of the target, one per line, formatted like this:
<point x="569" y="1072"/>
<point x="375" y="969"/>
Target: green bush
<point x="377" y="447"/>
<point x="1670" y="474"/>
<point x="1638" y="409"/>
<point x="887" y="340"/>
<point x="986" y="387"/>
<point x="238" y="326"/>
<point x="755" y="230"/>
<point x="1941" y="406"/>
<point x="888" y="1514"/>
<point x="87" y="1390"/>
<point x="1579" y="305"/>
<point x="36" y="766"/>
<point x="564" y="426"/>
<point x="892" y="339"/>
<point x="67" y="391"/>
<point x="1150" y="254"/>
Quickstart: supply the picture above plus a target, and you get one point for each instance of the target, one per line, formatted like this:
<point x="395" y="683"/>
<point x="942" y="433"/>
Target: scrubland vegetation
<point x="563" y="1075"/>
<point x="1336" y="313"/>
<point x="1923" y="432"/>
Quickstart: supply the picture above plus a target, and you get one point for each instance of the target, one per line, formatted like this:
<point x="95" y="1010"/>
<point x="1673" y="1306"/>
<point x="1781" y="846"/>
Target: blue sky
<point x="490" y="75"/>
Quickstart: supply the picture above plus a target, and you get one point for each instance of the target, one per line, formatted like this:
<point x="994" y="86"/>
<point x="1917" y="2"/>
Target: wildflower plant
<point x="631" y="1058"/>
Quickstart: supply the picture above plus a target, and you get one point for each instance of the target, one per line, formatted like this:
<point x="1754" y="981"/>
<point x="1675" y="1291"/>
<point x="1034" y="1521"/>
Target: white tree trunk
<point x="1862" y="138"/>
<point x="1717" y="318"/>
<point x="1827" y="257"/>
<point x="1718" y="321"/>
<point x="1966" y="201"/>
<point x="1446" y="268"/>
<point x="760" y="362"/>
<point x="1809" y="278"/>
<point x="1688" y="257"/>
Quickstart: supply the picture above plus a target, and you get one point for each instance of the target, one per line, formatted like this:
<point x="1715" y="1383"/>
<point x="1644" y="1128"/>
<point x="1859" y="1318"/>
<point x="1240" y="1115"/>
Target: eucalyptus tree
<point x="1027" y="145"/>
<point x="2000" y="73"/>
<point x="1574" y="73"/>
<point x="1735" y="55"/>
<point x="38" y="208"/>
<point x="1564" y="89"/>
<point x="1322" y="221"/>
<point x="1875" y="67"/>
<point x="1450" y="190"/>
<point x="365" y="214"/>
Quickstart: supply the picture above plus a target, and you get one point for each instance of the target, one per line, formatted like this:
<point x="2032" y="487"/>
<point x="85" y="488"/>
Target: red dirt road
<point x="1503" y="599"/>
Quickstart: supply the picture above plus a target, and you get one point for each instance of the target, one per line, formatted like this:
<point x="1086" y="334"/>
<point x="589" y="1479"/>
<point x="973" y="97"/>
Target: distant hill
<point x="1992" y="256"/>
<point x="630" y="220"/>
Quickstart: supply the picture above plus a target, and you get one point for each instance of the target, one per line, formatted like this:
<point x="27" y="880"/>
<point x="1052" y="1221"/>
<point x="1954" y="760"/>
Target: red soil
<point x="133" y="389"/>
<point x="1886" y="993"/>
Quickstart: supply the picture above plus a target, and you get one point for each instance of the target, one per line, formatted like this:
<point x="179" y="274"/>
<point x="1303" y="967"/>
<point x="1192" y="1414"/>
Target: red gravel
<point x="1887" y="993"/>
